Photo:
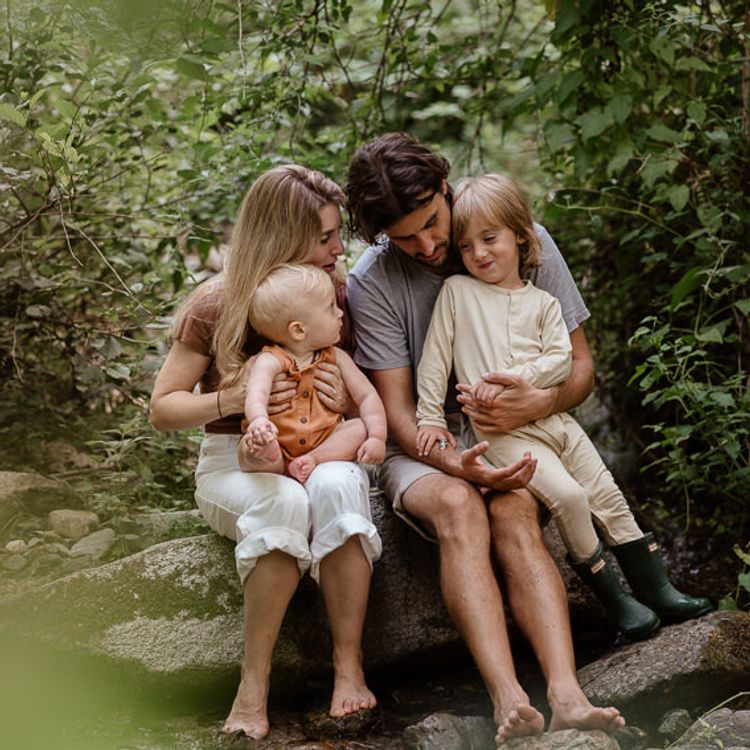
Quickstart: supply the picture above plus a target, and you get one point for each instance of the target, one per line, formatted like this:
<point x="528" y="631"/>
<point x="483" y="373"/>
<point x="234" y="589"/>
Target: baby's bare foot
<point x="270" y="453"/>
<point x="248" y="714"/>
<point x="520" y="721"/>
<point x="301" y="467"/>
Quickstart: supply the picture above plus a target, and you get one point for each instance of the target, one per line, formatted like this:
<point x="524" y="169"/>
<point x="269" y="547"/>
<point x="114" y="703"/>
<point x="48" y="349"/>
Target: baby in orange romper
<point x="295" y="306"/>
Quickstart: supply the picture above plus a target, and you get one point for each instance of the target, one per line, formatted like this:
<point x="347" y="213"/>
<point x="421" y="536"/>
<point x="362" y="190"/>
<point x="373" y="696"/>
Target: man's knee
<point x="515" y="518"/>
<point x="460" y="512"/>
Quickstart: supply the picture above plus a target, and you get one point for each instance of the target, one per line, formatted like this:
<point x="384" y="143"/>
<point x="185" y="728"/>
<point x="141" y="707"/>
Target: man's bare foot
<point x="248" y="714"/>
<point x="350" y="694"/>
<point x="520" y="721"/>
<point x="575" y="712"/>
<point x="301" y="467"/>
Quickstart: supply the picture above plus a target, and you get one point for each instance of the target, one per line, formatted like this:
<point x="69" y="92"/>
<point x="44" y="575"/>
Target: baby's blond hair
<point x="498" y="201"/>
<point x="282" y="297"/>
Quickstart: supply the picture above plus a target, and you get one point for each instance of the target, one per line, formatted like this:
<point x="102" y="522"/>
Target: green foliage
<point x="131" y="130"/>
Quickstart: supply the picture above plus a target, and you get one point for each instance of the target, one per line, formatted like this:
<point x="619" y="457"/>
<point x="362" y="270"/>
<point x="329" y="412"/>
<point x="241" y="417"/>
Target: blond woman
<point x="282" y="528"/>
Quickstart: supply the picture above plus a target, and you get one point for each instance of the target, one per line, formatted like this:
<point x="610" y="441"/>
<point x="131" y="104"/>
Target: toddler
<point x="507" y="324"/>
<point x="295" y="307"/>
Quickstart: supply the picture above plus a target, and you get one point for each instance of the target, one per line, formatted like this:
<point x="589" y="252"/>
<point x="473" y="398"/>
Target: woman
<point x="282" y="528"/>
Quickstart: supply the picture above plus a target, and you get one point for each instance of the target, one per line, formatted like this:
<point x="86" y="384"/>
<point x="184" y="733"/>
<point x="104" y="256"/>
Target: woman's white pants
<point x="266" y="512"/>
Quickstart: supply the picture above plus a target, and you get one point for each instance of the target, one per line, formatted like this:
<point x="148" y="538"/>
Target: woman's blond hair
<point x="284" y="296"/>
<point x="278" y="222"/>
<point x="496" y="201"/>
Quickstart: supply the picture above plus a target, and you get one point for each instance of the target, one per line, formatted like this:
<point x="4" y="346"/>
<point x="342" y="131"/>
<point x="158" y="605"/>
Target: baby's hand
<point x="428" y="435"/>
<point x="372" y="451"/>
<point x="484" y="394"/>
<point x="261" y="431"/>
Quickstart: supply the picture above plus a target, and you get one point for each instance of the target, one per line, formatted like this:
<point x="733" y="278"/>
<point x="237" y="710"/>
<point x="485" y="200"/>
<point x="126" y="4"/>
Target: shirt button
<point x="302" y="441"/>
<point x="303" y="419"/>
<point x="305" y="394"/>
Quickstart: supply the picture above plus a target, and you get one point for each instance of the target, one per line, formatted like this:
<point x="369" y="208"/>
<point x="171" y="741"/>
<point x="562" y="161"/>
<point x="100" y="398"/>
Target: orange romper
<point x="307" y="423"/>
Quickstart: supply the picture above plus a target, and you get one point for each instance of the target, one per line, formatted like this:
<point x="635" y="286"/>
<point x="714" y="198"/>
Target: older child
<point x="295" y="306"/>
<point x="494" y="320"/>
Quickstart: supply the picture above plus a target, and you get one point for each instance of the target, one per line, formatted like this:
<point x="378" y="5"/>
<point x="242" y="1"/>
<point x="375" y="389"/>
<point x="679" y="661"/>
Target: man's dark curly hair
<point x="389" y="178"/>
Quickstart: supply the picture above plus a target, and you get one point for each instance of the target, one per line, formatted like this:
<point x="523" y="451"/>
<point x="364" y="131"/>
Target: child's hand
<point x="484" y="394"/>
<point x="372" y="451"/>
<point x="428" y="436"/>
<point x="261" y="431"/>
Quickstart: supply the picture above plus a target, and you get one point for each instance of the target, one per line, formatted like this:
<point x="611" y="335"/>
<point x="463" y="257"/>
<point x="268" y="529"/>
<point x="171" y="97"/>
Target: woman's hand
<point x="331" y="389"/>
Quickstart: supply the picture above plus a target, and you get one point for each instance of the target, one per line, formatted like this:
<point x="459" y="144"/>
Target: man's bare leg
<point x="457" y="515"/>
<point x="345" y="581"/>
<point x="341" y="445"/>
<point x="267" y="592"/>
<point x="539" y="604"/>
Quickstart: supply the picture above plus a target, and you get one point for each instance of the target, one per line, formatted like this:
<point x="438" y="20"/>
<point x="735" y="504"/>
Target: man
<point x="398" y="187"/>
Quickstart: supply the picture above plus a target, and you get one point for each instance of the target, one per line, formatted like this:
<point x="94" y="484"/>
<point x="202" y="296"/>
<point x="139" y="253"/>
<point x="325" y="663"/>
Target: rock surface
<point x="33" y="493"/>
<point x="72" y="524"/>
<point x="443" y="731"/>
<point x="723" y="728"/>
<point x="696" y="664"/>
<point x="94" y="545"/>
<point x="174" y="610"/>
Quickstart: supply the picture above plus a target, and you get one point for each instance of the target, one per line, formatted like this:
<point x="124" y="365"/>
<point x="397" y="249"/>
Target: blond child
<point x="507" y="324"/>
<point x="295" y="307"/>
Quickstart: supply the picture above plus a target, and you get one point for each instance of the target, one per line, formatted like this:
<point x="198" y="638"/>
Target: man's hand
<point x="514" y="403"/>
<point x="513" y="477"/>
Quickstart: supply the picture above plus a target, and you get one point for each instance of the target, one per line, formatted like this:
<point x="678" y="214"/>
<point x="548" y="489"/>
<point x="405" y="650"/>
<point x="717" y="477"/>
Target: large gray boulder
<point x="174" y="611"/>
<point x="694" y="665"/>
<point x="33" y="493"/>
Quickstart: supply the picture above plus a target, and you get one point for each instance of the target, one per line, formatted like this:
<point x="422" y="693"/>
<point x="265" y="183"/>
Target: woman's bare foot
<point x="350" y="694"/>
<point x="571" y="709"/>
<point x="248" y="714"/>
<point x="301" y="467"/>
<point x="522" y="720"/>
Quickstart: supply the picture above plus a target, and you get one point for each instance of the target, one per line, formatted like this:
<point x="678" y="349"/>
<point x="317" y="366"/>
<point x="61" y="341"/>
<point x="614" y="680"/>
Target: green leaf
<point x="697" y="111"/>
<point x="661" y="132"/>
<point x="678" y="196"/>
<point x="685" y="286"/>
<point x="593" y="123"/>
<point x="743" y="305"/>
<point x="568" y="85"/>
<point x="657" y="168"/>
<point x="622" y="156"/>
<point x="744" y="580"/>
<point x="66" y="108"/>
<point x="744" y="556"/>
<point x="620" y="107"/>
<point x="191" y="69"/>
<point x="11" y="114"/>
<point x="711" y="334"/>
<point x="692" y="63"/>
<point x="557" y="134"/>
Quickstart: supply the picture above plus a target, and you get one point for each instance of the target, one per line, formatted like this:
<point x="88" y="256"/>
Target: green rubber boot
<point x="630" y="617"/>
<point x="643" y="568"/>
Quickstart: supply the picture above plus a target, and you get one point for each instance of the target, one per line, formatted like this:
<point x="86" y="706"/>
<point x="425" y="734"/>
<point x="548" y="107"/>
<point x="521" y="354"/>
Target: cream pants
<point x="265" y="512"/>
<point x="571" y="480"/>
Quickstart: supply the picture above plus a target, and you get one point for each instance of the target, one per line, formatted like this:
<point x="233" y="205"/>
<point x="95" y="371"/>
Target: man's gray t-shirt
<point x="391" y="297"/>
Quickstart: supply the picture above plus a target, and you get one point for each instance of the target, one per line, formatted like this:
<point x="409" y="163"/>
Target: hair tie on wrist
<point x="218" y="404"/>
